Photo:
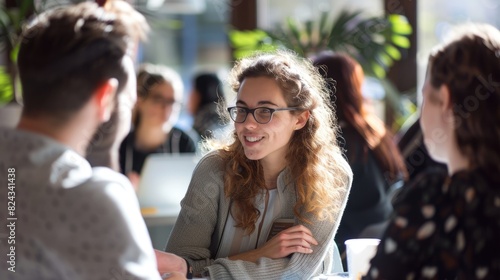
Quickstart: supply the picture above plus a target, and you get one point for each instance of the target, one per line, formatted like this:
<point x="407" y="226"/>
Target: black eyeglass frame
<point x="252" y="111"/>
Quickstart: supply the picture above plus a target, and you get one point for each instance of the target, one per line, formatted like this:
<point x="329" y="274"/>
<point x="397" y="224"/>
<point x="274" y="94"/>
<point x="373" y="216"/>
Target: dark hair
<point x="468" y="63"/>
<point x="209" y="87"/>
<point x="66" y="53"/>
<point x="346" y="95"/>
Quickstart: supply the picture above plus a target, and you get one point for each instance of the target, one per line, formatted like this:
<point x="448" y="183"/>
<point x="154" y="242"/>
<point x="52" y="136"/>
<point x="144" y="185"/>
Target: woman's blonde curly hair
<point x="313" y="153"/>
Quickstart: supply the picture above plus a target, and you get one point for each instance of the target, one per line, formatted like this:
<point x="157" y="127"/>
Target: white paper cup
<point x="359" y="253"/>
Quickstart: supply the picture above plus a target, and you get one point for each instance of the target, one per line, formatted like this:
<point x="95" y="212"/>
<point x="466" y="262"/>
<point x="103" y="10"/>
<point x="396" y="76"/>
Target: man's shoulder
<point x="106" y="181"/>
<point x="111" y="194"/>
<point x="103" y="175"/>
<point x="12" y="137"/>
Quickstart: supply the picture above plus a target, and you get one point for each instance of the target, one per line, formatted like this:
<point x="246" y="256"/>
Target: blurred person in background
<point x="203" y="103"/>
<point x="159" y="101"/>
<point x="375" y="160"/>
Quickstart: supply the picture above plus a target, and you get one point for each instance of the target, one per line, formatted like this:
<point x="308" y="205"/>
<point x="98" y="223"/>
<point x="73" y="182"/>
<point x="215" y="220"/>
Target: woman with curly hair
<point x="448" y="227"/>
<point x="283" y="163"/>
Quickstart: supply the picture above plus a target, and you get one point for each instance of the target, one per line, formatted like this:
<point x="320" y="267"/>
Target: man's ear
<point x="104" y="98"/>
<point x="302" y="119"/>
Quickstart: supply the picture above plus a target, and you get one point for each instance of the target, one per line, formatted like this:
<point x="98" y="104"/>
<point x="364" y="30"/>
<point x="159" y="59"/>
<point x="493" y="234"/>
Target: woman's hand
<point x="168" y="262"/>
<point x="296" y="239"/>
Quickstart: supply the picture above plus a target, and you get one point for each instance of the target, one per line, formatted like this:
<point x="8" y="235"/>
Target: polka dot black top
<point x="443" y="228"/>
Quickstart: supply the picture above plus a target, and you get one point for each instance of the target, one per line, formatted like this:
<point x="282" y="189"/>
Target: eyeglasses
<point x="262" y="115"/>
<point x="160" y="100"/>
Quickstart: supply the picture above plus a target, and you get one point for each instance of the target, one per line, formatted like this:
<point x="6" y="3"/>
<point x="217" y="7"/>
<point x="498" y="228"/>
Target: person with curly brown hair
<point x="283" y="163"/>
<point x="447" y="227"/>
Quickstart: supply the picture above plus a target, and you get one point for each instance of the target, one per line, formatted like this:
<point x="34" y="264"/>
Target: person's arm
<point x="168" y="262"/>
<point x="191" y="236"/>
<point x="294" y="266"/>
<point x="296" y="239"/>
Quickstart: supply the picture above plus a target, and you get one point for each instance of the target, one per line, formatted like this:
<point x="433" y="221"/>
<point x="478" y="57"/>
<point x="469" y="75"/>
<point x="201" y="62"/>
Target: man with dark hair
<point x="103" y="148"/>
<point x="65" y="219"/>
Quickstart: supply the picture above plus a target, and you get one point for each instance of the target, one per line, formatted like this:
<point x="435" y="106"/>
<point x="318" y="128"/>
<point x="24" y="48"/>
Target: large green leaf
<point x="393" y="52"/>
<point x="374" y="41"/>
<point x="339" y="27"/>
<point x="401" y="41"/>
<point x="11" y="21"/>
<point x="245" y="43"/>
<point x="400" y="24"/>
<point x="6" y="90"/>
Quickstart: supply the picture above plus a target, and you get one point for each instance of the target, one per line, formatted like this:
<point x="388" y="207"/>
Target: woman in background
<point x="373" y="156"/>
<point x="159" y="99"/>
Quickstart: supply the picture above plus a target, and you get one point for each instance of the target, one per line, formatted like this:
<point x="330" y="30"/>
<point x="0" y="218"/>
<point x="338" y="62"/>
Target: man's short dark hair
<point x="66" y="53"/>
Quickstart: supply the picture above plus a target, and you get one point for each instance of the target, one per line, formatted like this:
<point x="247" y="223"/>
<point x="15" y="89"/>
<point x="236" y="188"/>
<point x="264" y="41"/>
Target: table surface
<point x="159" y="216"/>
<point x="333" y="276"/>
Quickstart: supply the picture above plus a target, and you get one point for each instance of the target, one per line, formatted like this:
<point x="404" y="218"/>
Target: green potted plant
<point x="11" y="20"/>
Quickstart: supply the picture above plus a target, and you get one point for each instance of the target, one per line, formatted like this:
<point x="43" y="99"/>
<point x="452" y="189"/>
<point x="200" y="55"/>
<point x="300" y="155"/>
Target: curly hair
<point x="468" y="63"/>
<point x="313" y="152"/>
